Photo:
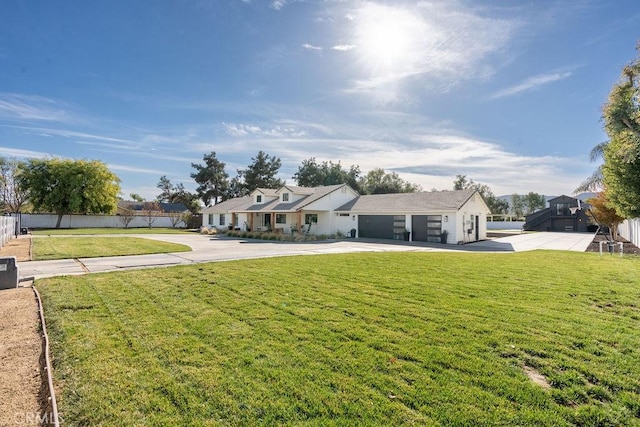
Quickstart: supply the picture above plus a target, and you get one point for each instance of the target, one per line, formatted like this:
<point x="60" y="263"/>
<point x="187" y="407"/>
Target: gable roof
<point x="265" y="191"/>
<point x="313" y="194"/>
<point x="409" y="202"/>
<point x="236" y="204"/>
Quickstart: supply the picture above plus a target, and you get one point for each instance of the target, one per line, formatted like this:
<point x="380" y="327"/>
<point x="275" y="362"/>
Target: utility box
<point x="8" y="272"/>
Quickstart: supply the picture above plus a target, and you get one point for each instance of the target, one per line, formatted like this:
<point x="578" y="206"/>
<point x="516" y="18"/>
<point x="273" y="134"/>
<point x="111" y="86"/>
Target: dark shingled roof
<point x="237" y="204"/>
<point x="409" y="202"/>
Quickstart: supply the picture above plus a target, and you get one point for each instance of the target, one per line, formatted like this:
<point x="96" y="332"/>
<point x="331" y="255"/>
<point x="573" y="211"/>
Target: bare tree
<point x="176" y="218"/>
<point x="151" y="211"/>
<point x="126" y="217"/>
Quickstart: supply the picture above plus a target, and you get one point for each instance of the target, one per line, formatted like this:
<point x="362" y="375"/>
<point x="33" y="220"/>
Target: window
<point x="563" y="209"/>
<point x="311" y="218"/>
<point x="285" y="197"/>
<point x="281" y="218"/>
<point x="221" y="219"/>
<point x="210" y="222"/>
<point x="259" y="198"/>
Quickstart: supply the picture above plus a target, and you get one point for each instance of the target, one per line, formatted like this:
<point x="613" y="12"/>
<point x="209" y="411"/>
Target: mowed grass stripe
<point x="49" y="248"/>
<point x="353" y="339"/>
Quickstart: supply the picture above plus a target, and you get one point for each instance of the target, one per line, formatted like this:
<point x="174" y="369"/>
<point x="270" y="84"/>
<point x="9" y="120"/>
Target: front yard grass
<point x="83" y="231"/>
<point x="47" y="248"/>
<point x="352" y="339"/>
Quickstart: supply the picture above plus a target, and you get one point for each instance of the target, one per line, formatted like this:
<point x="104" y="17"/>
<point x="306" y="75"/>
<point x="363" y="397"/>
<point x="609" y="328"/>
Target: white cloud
<point x="278" y="4"/>
<point x="243" y="130"/>
<point x="19" y="153"/>
<point x="311" y="47"/>
<point x="344" y="47"/>
<point x="31" y="107"/>
<point x="439" y="41"/>
<point x="123" y="168"/>
<point x="531" y="83"/>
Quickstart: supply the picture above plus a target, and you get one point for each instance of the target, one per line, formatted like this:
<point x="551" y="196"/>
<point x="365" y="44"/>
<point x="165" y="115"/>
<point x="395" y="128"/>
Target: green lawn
<point x="75" y="231"/>
<point x="357" y="339"/>
<point x="45" y="248"/>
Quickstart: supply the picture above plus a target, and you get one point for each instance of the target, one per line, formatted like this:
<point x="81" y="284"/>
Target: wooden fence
<point x="630" y="230"/>
<point x="7" y="229"/>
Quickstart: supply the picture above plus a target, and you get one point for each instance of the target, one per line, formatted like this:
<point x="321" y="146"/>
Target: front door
<point x="267" y="220"/>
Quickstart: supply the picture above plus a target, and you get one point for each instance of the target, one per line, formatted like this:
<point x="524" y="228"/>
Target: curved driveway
<point x="210" y="249"/>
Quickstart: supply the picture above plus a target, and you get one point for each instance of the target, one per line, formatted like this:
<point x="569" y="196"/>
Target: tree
<point x="603" y="213"/>
<point x="261" y="173"/>
<point x="151" y="211"/>
<point x="212" y="180"/>
<point x="14" y="195"/>
<point x="620" y="172"/>
<point x="495" y="205"/>
<point x="136" y="197"/>
<point x="517" y="205"/>
<point x="377" y="181"/>
<point x="176" y="194"/>
<point x="126" y="217"/>
<point x="534" y="202"/>
<point x="68" y="186"/>
<point x="312" y="174"/>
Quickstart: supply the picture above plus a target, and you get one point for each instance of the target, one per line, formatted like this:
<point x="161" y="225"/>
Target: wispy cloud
<point x="240" y="130"/>
<point x="278" y="4"/>
<point x="32" y="107"/>
<point x="123" y="168"/>
<point x="439" y="41"/>
<point x="531" y="83"/>
<point x="344" y="47"/>
<point x="19" y="153"/>
<point x="311" y="47"/>
<point x="338" y="47"/>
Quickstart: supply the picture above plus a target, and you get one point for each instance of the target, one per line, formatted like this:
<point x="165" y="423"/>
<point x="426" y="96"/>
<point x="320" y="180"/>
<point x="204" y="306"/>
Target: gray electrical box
<point x="8" y="272"/>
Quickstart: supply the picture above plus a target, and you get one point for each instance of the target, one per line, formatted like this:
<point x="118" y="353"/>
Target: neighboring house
<point x="339" y="209"/>
<point x="563" y="214"/>
<point x="140" y="208"/>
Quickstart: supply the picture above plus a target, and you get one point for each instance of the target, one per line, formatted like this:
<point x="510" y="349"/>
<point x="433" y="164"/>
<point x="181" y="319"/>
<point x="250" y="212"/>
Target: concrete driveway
<point x="210" y="249"/>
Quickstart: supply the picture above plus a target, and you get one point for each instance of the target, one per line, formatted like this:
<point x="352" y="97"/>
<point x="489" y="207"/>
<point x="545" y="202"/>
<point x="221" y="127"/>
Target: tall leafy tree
<point x="620" y="172"/>
<point x="212" y="180"/>
<point x="170" y="193"/>
<point x="495" y="205"/>
<point x="313" y="174"/>
<point x="377" y="181"/>
<point x="68" y="186"/>
<point x="261" y="173"/>
<point x="534" y="202"/>
<point x="13" y="195"/>
<point x="517" y="205"/>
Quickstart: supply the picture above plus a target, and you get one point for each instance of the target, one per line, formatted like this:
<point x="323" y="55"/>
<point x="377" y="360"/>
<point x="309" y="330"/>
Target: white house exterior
<point x="339" y="209"/>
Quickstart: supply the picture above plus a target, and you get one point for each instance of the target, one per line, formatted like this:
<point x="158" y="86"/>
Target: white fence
<point x="93" y="221"/>
<point x="7" y="229"/>
<point x="505" y="225"/>
<point x="630" y="230"/>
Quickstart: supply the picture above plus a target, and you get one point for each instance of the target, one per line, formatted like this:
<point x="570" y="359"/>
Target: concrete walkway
<point x="210" y="249"/>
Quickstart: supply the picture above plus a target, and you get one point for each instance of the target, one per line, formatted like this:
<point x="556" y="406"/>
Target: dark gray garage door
<point x="381" y="226"/>
<point x="426" y="228"/>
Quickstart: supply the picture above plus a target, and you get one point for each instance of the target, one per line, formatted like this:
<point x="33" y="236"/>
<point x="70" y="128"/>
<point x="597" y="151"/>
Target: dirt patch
<point x="19" y="247"/>
<point x="628" y="248"/>
<point x="20" y="351"/>
<point x="536" y="377"/>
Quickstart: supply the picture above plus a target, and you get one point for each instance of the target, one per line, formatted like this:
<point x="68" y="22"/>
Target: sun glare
<point x="387" y="38"/>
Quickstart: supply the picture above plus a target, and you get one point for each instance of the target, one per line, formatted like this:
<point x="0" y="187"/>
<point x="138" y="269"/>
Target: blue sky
<point x="507" y="93"/>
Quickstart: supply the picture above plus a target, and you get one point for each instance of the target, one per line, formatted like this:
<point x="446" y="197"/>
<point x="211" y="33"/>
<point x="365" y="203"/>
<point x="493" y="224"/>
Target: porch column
<point x="233" y="220"/>
<point x="273" y="221"/>
<point x="299" y="220"/>
<point x="251" y="221"/>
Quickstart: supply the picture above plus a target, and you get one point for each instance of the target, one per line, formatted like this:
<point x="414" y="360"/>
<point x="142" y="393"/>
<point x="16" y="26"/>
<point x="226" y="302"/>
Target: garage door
<point x="426" y="228"/>
<point x="381" y="226"/>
